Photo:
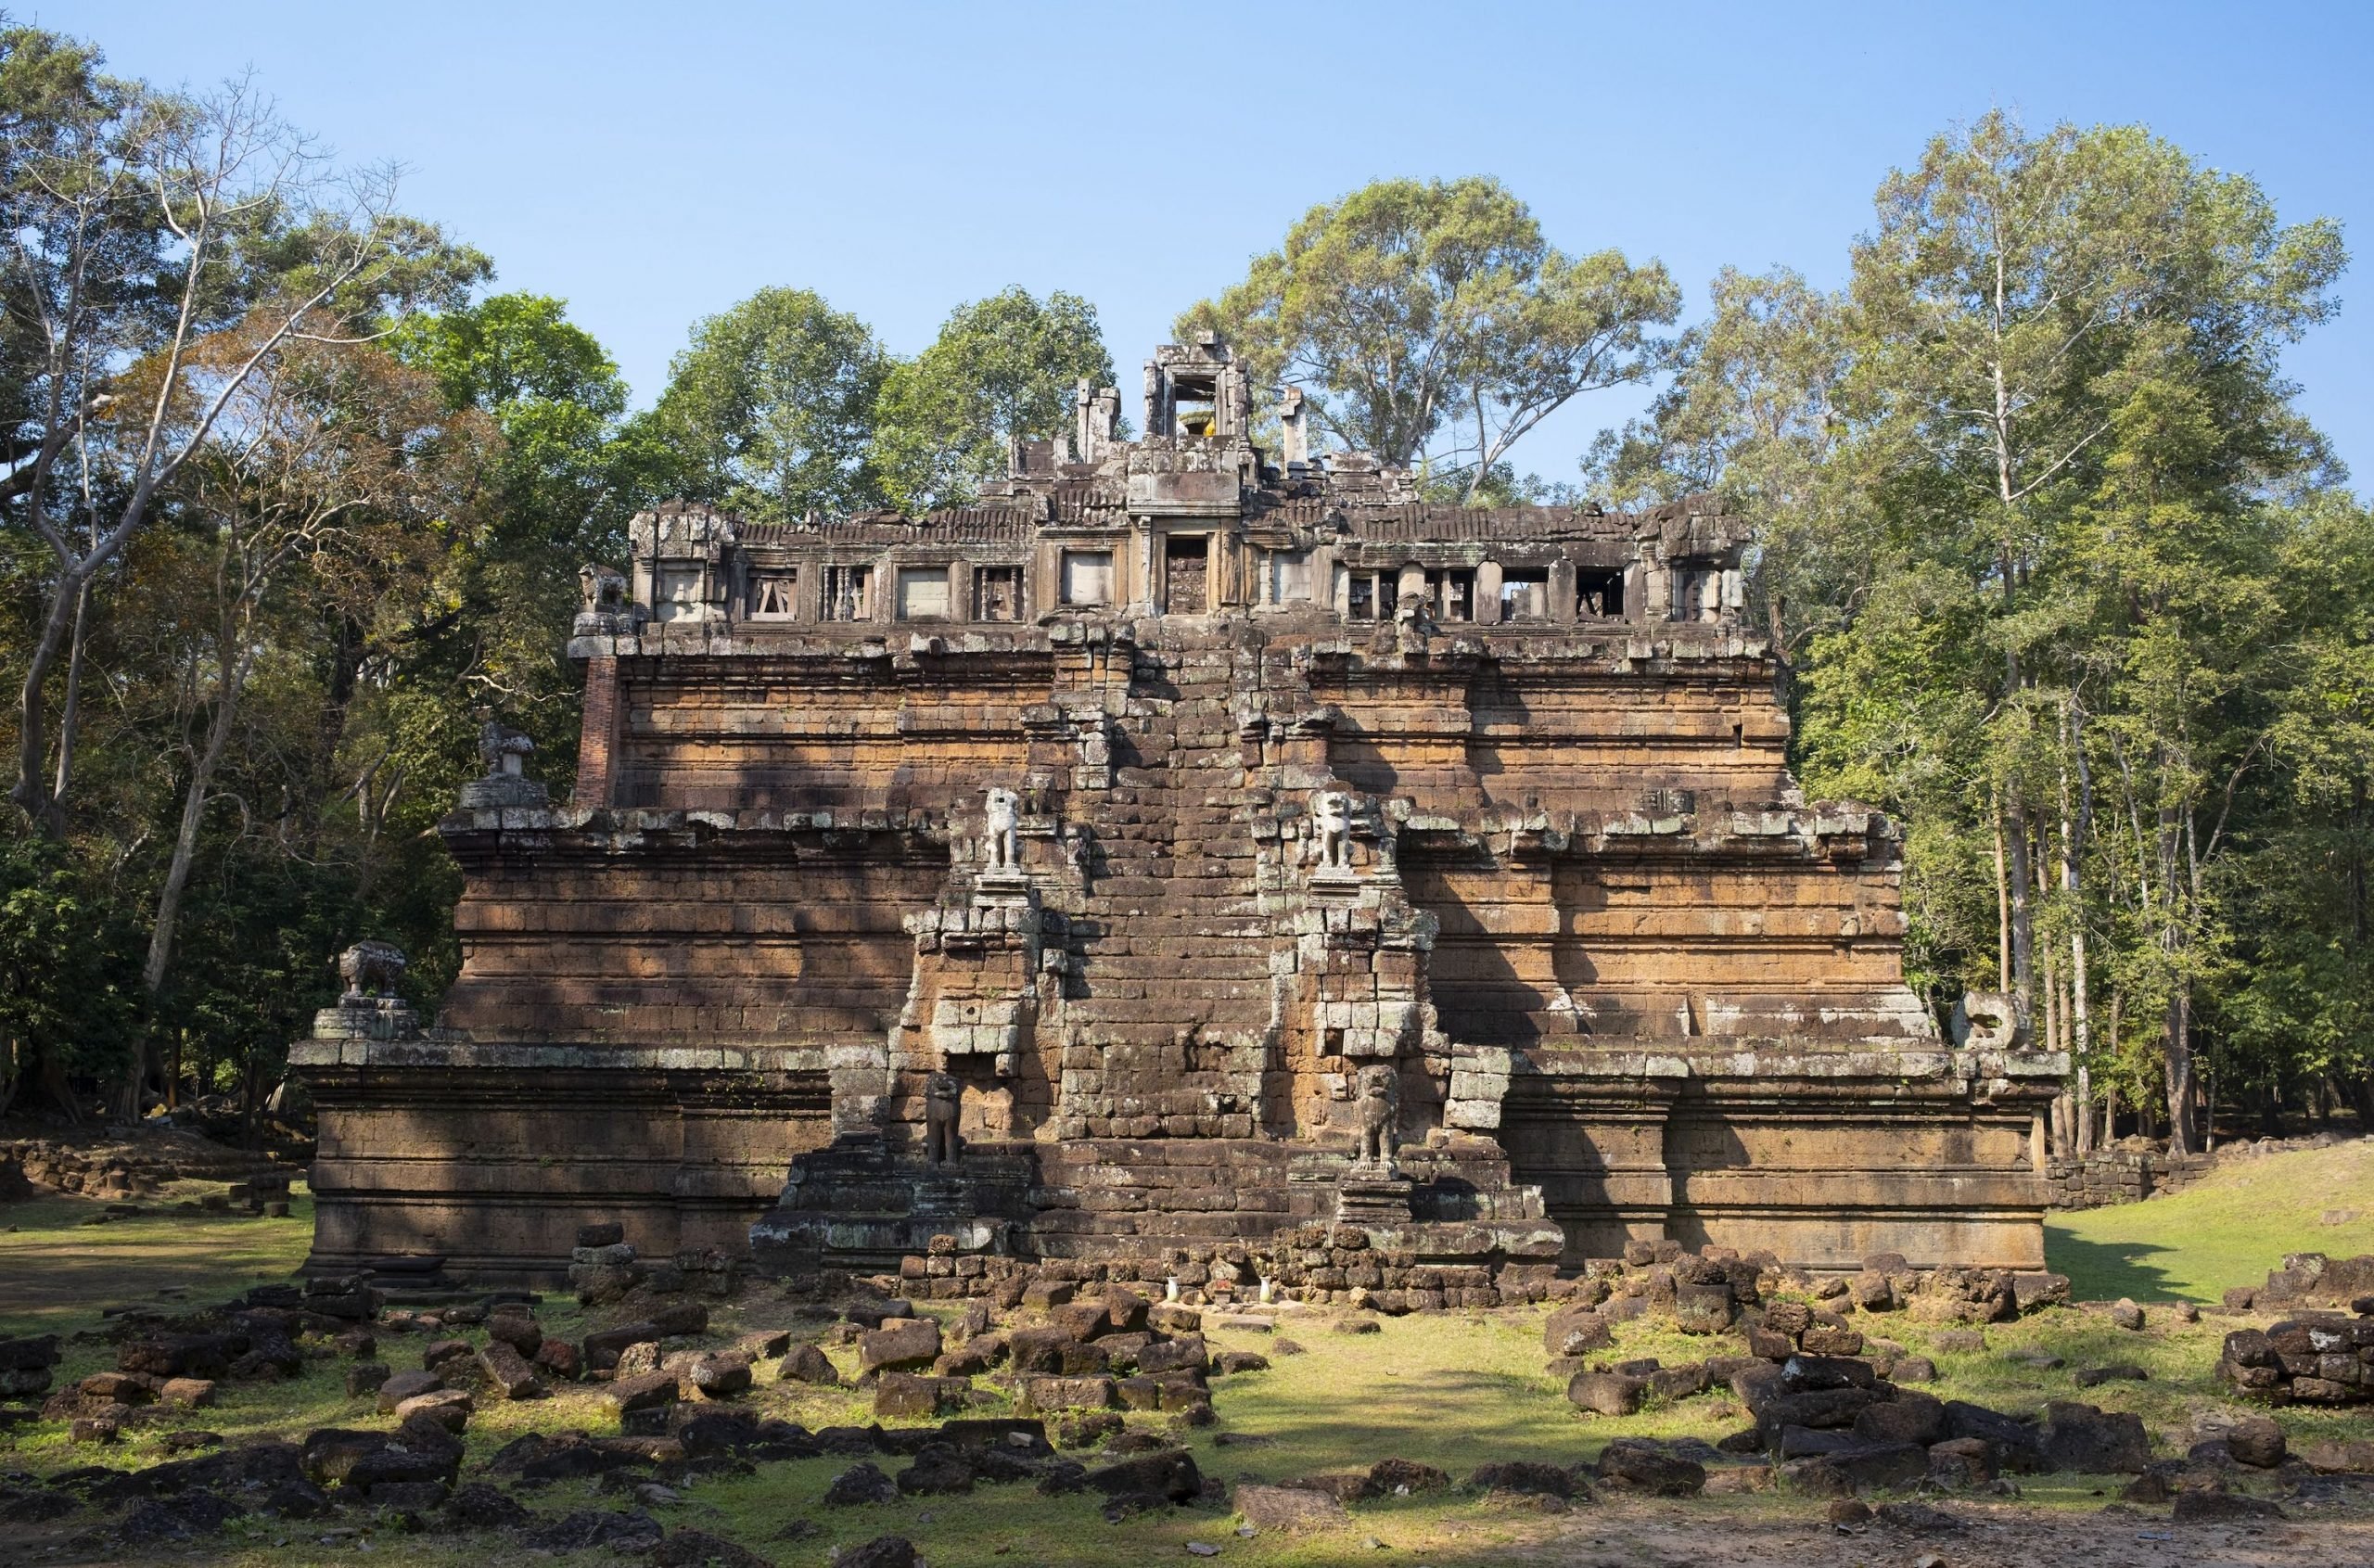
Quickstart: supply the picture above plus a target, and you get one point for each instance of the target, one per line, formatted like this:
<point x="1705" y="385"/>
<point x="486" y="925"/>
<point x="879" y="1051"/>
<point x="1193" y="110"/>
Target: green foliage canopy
<point x="1409" y="309"/>
<point x="1002" y="369"/>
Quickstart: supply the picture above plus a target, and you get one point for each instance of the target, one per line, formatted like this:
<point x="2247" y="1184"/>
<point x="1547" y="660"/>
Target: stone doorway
<point x="1185" y="574"/>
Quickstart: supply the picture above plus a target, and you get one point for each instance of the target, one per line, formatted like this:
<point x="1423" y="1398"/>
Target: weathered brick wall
<point x="687" y="935"/>
<point x="1548" y="884"/>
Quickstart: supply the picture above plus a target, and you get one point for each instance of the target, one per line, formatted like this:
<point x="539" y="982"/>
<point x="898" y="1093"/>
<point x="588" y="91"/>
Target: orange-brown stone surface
<point x="1152" y="801"/>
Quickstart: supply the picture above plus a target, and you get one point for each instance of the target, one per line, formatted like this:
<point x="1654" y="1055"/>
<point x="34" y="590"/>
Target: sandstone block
<point x="2094" y="1442"/>
<point x="904" y="1396"/>
<point x="719" y="1377"/>
<point x="1286" y="1508"/>
<point x="647" y="1392"/>
<point x="1606" y="1394"/>
<point x="603" y="1346"/>
<point x="559" y="1358"/>
<point x="448" y="1407"/>
<point x="402" y="1386"/>
<point x="1573" y="1330"/>
<point x="900" y="1344"/>
<point x="507" y="1372"/>
<point x="1044" y="1393"/>
<point x="1629" y="1465"/>
<point x="190" y="1392"/>
<point x="806" y="1363"/>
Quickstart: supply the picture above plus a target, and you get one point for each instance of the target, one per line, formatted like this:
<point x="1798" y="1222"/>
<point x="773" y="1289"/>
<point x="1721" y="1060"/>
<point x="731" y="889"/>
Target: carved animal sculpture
<point x="604" y="589"/>
<point x="1994" y="1020"/>
<point x="1379" y="1109"/>
<point x="501" y="749"/>
<point x="370" y="969"/>
<point x="1332" y="812"/>
<point x="943" y="1105"/>
<point x="1002" y="815"/>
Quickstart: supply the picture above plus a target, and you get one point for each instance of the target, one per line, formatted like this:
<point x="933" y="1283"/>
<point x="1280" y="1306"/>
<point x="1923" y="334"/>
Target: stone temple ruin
<point x="1186" y="845"/>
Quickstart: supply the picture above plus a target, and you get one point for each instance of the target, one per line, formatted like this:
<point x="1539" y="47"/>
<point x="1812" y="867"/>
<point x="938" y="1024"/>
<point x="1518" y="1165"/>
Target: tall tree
<point x="1408" y="310"/>
<point x="1002" y="369"/>
<point x="329" y="462"/>
<point x="137" y="225"/>
<point x="1753" y="412"/>
<point x="2045" y="437"/>
<point x="771" y="410"/>
<point x="492" y="639"/>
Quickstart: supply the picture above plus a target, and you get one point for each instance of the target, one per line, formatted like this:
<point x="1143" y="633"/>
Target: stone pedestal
<point x="1374" y="1194"/>
<point x="857" y="1205"/>
<point x="368" y="1018"/>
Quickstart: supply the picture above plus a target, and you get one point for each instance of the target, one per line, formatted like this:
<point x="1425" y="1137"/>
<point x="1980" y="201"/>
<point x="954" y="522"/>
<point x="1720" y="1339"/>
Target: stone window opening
<point x="849" y="593"/>
<point x="923" y="593"/>
<point x="774" y="595"/>
<point x="1289" y="576"/>
<point x="1525" y="595"/>
<point x="1186" y="569"/>
<point x="1368" y="595"/>
<point x="1088" y="577"/>
<point x="997" y="592"/>
<point x="1450" y="593"/>
<point x="1599" y="595"/>
<point x="1698" y="594"/>
<point x="1195" y="404"/>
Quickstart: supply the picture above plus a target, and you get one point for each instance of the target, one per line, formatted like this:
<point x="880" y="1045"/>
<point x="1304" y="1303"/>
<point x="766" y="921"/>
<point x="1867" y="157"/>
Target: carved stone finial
<point x="502" y="749"/>
<point x="604" y="589"/>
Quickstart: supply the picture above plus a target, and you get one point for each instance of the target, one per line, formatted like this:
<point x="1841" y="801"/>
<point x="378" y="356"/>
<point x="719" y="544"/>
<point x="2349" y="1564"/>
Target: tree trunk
<point x="2178" y="1075"/>
<point x="31" y="792"/>
<point x="2073" y="841"/>
<point x="2085" y="1111"/>
<point x="168" y="901"/>
<point x="2002" y="910"/>
<point x="2361" y="1099"/>
<point x="69" y="714"/>
<point x="2023" y="917"/>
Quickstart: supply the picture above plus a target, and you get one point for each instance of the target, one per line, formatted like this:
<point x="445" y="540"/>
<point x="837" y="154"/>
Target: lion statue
<point x="943" y="1106"/>
<point x="1380" y="1111"/>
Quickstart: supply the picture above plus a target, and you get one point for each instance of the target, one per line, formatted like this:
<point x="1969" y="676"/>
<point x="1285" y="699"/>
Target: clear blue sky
<point x="652" y="163"/>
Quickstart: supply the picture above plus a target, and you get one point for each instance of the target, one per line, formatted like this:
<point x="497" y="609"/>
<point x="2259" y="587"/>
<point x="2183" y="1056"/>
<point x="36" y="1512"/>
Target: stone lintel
<point x="1779" y="1060"/>
<point x="476" y="1056"/>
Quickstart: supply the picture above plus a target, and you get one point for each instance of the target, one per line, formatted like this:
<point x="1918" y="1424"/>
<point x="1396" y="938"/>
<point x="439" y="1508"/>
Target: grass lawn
<point x="2228" y="1230"/>
<point x="1454" y="1389"/>
<point x="57" y="1270"/>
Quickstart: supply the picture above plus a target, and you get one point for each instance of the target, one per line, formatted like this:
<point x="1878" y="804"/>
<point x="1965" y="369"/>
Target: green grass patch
<point x="1454" y="1389"/>
<point x="2227" y="1229"/>
<point x="57" y="1269"/>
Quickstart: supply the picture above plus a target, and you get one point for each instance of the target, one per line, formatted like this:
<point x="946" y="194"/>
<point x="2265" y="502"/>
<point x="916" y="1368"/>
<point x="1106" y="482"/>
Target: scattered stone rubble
<point x="2309" y="1359"/>
<point x="2134" y="1169"/>
<point x="2308" y="1278"/>
<point x="121" y="1169"/>
<point x="605" y="1267"/>
<point x="1833" y="1407"/>
<point x="1316" y="1263"/>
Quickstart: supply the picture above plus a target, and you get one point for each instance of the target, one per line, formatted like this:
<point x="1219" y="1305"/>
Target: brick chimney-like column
<point x="598" y="742"/>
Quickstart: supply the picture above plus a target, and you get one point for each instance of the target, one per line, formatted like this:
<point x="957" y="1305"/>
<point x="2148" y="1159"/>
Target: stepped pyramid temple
<point x="1186" y="843"/>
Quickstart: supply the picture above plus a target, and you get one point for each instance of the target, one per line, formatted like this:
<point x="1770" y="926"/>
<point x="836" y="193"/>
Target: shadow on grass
<point x="56" y="1270"/>
<point x="2107" y="1270"/>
